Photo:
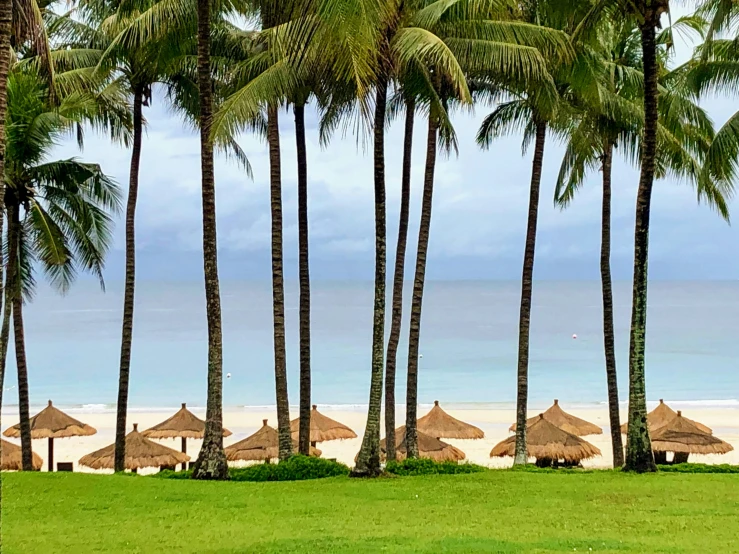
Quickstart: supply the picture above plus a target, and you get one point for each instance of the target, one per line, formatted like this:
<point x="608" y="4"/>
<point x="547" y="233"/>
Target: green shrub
<point x="424" y="466"/>
<point x="170" y="474"/>
<point x="297" y="468"/>
<point x="699" y="468"/>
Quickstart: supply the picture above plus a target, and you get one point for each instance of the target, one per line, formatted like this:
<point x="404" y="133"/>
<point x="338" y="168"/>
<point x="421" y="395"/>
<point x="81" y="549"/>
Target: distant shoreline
<point x="717" y="404"/>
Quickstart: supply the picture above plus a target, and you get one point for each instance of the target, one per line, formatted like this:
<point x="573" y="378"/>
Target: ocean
<point x="469" y="339"/>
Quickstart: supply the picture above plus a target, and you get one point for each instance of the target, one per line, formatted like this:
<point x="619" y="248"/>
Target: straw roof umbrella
<point x="683" y="437"/>
<point x="555" y="414"/>
<point x="140" y="452"/>
<point x="52" y="423"/>
<point x="545" y="441"/>
<point x="183" y="424"/>
<point x="263" y="445"/>
<point x="428" y="447"/>
<point x="11" y="457"/>
<point x="662" y="415"/>
<point x="437" y="423"/>
<point x="322" y="428"/>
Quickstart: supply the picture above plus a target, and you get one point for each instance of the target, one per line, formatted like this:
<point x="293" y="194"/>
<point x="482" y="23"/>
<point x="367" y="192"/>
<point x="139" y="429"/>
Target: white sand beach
<point x="494" y="422"/>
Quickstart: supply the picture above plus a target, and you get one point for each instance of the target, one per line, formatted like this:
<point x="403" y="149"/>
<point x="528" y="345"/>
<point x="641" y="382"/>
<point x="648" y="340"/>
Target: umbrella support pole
<point x="51" y="454"/>
<point x="680" y="458"/>
<point x="184" y="451"/>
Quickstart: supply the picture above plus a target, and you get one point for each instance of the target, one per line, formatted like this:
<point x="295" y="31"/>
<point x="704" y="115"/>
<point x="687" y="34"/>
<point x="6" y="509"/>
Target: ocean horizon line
<point x="730" y="403"/>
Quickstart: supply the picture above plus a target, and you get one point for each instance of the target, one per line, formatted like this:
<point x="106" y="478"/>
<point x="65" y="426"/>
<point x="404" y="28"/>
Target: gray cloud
<point x="479" y="215"/>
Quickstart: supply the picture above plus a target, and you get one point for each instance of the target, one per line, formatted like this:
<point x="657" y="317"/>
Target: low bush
<point x="699" y="468"/>
<point x="424" y="466"/>
<point x="297" y="468"/>
<point x="170" y="474"/>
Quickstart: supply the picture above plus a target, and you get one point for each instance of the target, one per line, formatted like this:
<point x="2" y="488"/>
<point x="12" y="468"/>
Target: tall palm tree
<point x="139" y="69"/>
<point x="20" y="23"/>
<point x="531" y="107"/>
<point x="303" y="278"/>
<point x="211" y="462"/>
<point x="517" y="112"/>
<point x="396" y="318"/>
<point x="648" y="14"/>
<point x="591" y="142"/>
<point x="684" y="135"/>
<point x="481" y="38"/>
<point x="58" y="211"/>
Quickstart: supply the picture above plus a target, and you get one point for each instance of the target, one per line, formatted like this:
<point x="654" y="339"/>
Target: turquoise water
<point x="468" y="343"/>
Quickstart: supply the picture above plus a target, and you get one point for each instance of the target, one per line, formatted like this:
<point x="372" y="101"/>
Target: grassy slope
<point x="496" y="511"/>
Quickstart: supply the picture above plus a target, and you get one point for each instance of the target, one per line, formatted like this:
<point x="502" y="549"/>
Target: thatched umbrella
<point x="183" y="424"/>
<point x="428" y="447"/>
<point x="140" y="452"/>
<point x="12" y="457"/>
<point x="555" y="414"/>
<point x="51" y="423"/>
<point x="437" y="423"/>
<point x="547" y="443"/>
<point x="263" y="445"/>
<point x="683" y="437"/>
<point x="322" y="428"/>
<point x="661" y="416"/>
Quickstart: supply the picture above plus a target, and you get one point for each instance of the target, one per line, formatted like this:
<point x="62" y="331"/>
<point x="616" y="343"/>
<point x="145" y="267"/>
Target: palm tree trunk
<point x="396" y="319"/>
<point x="639" y="456"/>
<point x="129" y="287"/>
<point x="304" y="276"/>
<point x="278" y="287"/>
<point x="6" y="16"/>
<point x="9" y="290"/>
<point x="20" y="345"/>
<point x="411" y="401"/>
<point x="522" y="395"/>
<point x="368" y="461"/>
<point x="211" y="462"/>
<point x="5" y="332"/>
<point x="608" y="333"/>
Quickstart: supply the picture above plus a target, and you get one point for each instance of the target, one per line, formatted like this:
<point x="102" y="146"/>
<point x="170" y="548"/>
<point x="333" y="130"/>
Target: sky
<point x="479" y="210"/>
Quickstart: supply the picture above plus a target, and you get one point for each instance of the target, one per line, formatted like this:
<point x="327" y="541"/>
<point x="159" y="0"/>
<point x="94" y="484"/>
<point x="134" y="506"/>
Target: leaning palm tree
<point x="58" y="211"/>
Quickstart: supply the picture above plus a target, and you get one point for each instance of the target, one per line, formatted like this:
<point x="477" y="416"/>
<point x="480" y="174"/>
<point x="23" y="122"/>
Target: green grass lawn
<point x="496" y="511"/>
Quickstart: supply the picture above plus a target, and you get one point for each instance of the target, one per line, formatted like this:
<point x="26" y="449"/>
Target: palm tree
<point x="648" y="14"/>
<point x="531" y="107"/>
<point x="20" y="23"/>
<point x="480" y="39"/>
<point x="304" y="278"/>
<point x="211" y="462"/>
<point x="139" y="68"/>
<point x="396" y="318"/>
<point x="716" y="68"/>
<point x="616" y="122"/>
<point x="58" y="211"/>
<point x="518" y="112"/>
